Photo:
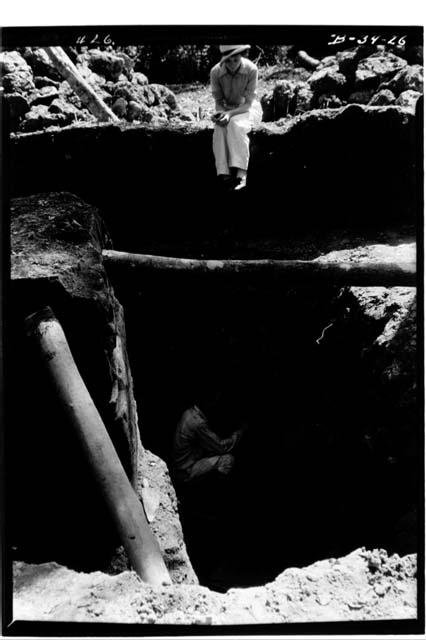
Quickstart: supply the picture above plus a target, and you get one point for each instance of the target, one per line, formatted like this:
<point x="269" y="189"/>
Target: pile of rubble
<point x="38" y="97"/>
<point x="370" y="76"/>
<point x="364" y="585"/>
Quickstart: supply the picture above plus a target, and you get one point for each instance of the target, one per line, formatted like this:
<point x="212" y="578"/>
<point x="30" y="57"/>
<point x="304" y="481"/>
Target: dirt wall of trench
<point x="357" y="164"/>
<point x="55" y="510"/>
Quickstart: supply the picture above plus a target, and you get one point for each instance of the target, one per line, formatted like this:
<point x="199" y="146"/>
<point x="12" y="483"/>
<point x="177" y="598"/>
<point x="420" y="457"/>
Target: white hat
<point x="232" y="50"/>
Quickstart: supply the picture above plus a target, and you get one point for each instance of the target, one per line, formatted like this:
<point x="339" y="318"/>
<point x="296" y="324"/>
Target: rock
<point x="361" y="97"/>
<point x="304" y="97"/>
<point x="284" y="99"/>
<point x="40" y="63"/>
<point x="18" y="82"/>
<point x="348" y="59"/>
<point x="60" y="106"/>
<point x="329" y="101"/>
<point x="374" y="560"/>
<point x="120" y="107"/>
<point x="18" y="105"/>
<point x="151" y="95"/>
<point x="45" y="95"/>
<point x="328" y="80"/>
<point x="162" y="110"/>
<point x="380" y="589"/>
<point x="67" y="95"/>
<point x="287" y="98"/>
<point x="409" y="78"/>
<point x="11" y="62"/>
<point x="39" y="117"/>
<point x="134" y="110"/>
<point x="137" y="111"/>
<point x="107" y="64"/>
<point x="382" y="97"/>
<point x="128" y="63"/>
<point x="97" y="80"/>
<point x="379" y="67"/>
<point x="139" y="78"/>
<point x="129" y="91"/>
<point x="151" y="501"/>
<point x="164" y="95"/>
<point x="43" y="81"/>
<point x="148" y="96"/>
<point x="408" y="99"/>
<point x="184" y="116"/>
<point x="348" y="62"/>
<point x="159" y="121"/>
<point x="328" y="61"/>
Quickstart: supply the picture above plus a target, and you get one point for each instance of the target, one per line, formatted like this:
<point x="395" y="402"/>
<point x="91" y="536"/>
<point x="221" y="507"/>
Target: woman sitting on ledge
<point x="234" y="83"/>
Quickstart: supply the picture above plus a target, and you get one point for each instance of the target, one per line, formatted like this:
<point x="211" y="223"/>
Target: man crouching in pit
<point x="234" y="84"/>
<point x="204" y="438"/>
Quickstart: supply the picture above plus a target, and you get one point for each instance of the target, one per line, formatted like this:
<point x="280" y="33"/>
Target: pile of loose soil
<point x="364" y="585"/>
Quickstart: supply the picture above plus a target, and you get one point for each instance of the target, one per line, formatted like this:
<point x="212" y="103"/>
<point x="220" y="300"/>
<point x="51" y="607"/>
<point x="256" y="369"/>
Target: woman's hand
<point x="222" y="119"/>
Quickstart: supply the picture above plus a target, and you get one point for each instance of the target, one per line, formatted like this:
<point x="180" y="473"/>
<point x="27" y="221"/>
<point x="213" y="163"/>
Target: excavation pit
<point x="315" y="476"/>
<point x="324" y="373"/>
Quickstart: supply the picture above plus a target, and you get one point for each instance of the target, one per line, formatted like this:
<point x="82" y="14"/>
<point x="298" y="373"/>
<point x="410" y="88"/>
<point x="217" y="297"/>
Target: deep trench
<point x="306" y="484"/>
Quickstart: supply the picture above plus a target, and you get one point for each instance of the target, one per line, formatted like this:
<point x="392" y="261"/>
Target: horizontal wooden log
<point x="123" y="503"/>
<point x="389" y="274"/>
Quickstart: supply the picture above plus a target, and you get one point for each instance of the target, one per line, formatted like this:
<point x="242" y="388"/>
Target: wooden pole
<point x="307" y="61"/>
<point x="389" y="274"/>
<point x="87" y="95"/>
<point x="124" y="506"/>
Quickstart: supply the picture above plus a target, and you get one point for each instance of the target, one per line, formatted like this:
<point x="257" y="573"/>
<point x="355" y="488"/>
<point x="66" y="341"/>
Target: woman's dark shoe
<point x="225" y="181"/>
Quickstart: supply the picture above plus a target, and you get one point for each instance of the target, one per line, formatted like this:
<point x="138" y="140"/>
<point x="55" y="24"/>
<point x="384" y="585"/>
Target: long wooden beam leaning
<point x="84" y="91"/>
<point x="124" y="506"/>
<point x="389" y="274"/>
